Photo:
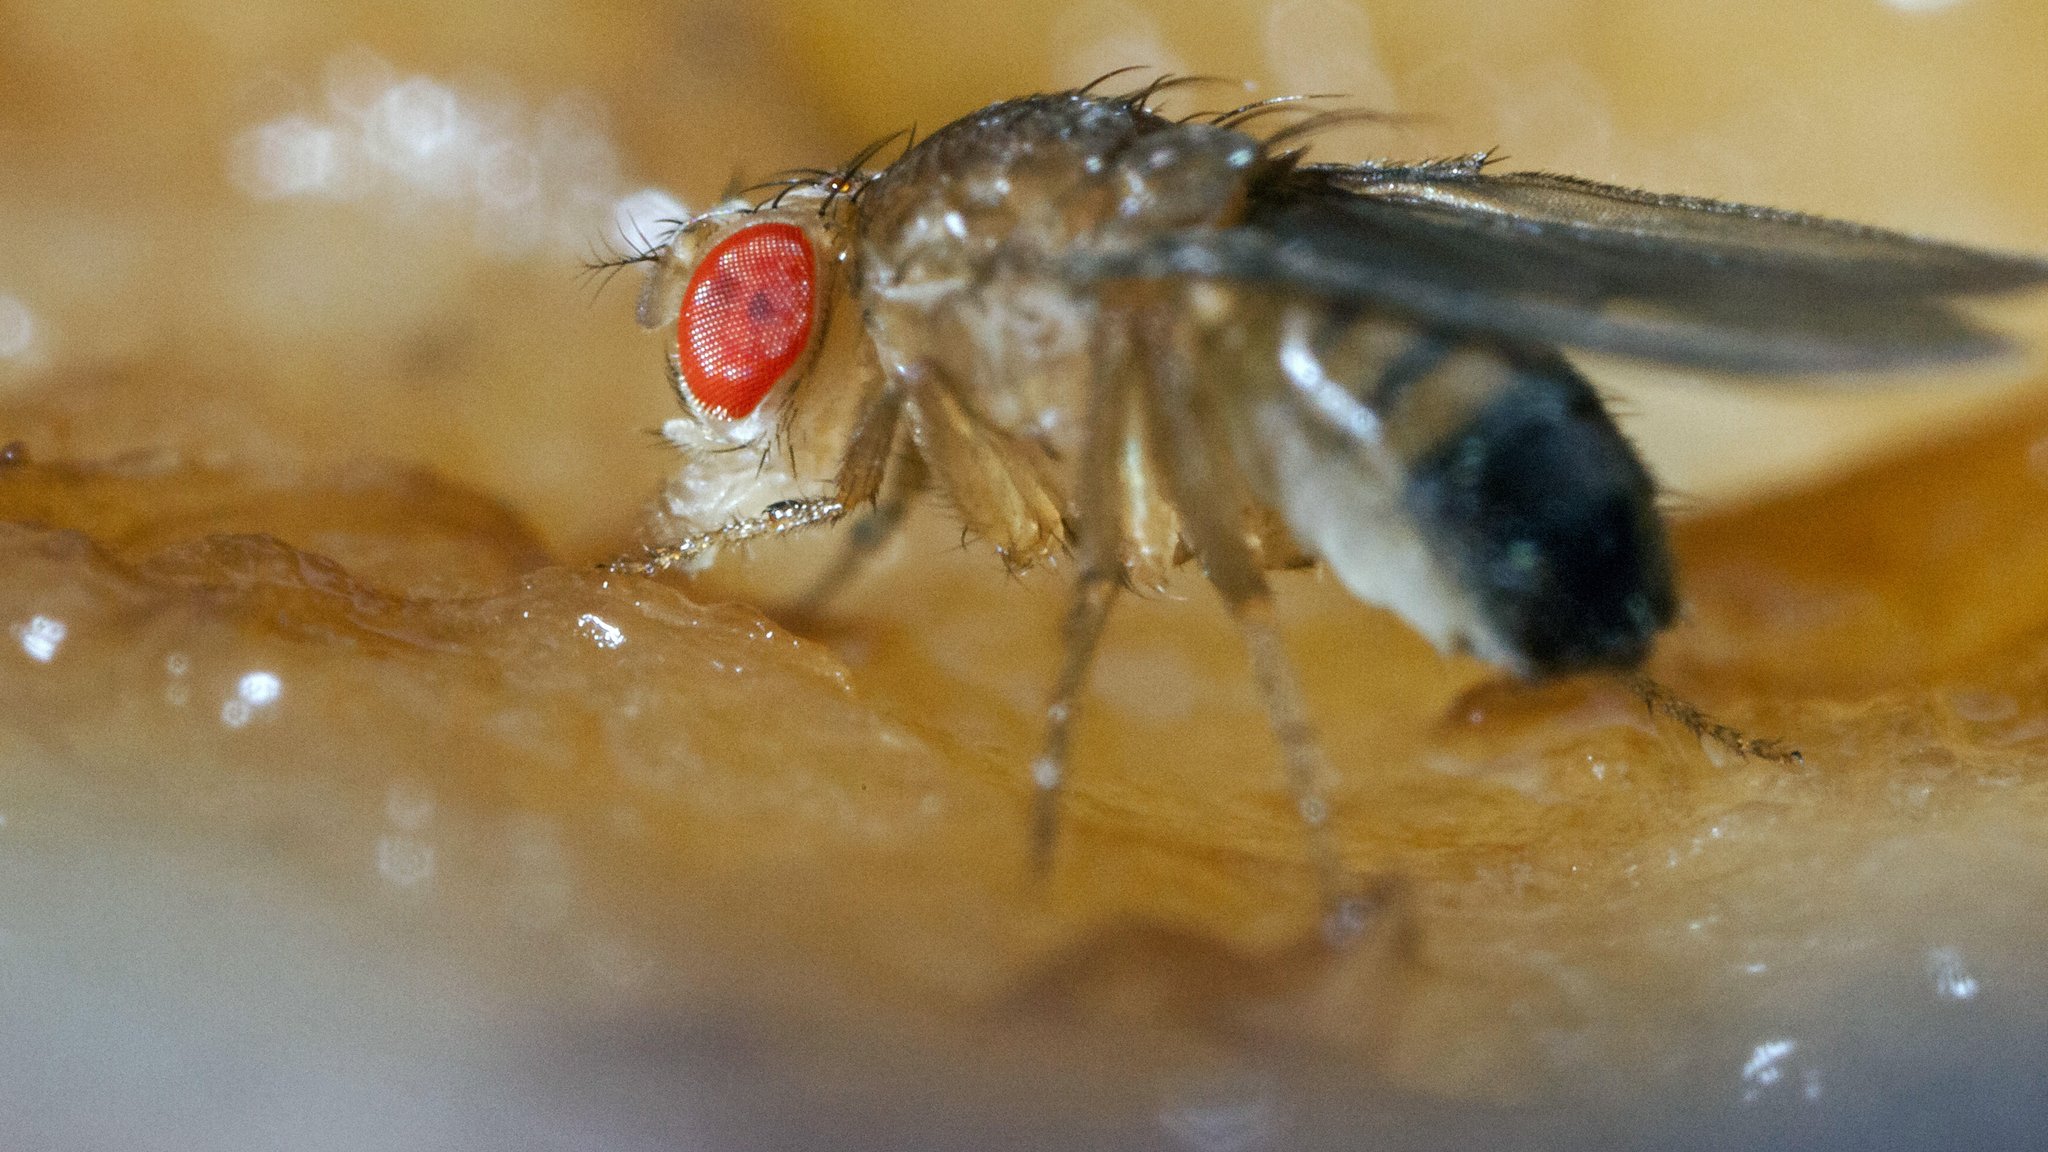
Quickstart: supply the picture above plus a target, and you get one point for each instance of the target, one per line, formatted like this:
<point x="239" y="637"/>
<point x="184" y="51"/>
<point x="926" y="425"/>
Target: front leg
<point x="779" y="518"/>
<point x="1002" y="484"/>
<point x="867" y="537"/>
<point x="861" y="471"/>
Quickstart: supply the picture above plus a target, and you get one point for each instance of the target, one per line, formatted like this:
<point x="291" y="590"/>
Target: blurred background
<point x="430" y="837"/>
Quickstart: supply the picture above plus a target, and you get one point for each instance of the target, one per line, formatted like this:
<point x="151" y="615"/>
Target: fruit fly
<point x="1098" y="332"/>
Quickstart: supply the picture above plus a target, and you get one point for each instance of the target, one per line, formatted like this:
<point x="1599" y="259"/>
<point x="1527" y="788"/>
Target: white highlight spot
<point x="404" y="144"/>
<point x="1771" y="1065"/>
<point x="1952" y="981"/>
<point x="259" y="688"/>
<point x="41" y="637"/>
<point x="1045" y="773"/>
<point x="417" y="118"/>
<point x="17" y="328"/>
<point x="292" y="156"/>
<point x="1919" y="6"/>
<point x="177" y="693"/>
<point x="600" y="631"/>
<point x="255" y="690"/>
<point x="1765" y="1066"/>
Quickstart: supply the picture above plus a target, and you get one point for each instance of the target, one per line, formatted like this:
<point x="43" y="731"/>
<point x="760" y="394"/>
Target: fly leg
<point x="1099" y="536"/>
<point x="864" y="541"/>
<point x="1089" y="610"/>
<point x="779" y="518"/>
<point x="860" y="476"/>
<point x="1657" y="698"/>
<point x="876" y="454"/>
<point x="1211" y="503"/>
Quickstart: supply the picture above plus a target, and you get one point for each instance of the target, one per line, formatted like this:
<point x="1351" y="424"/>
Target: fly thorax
<point x="1011" y="189"/>
<point x="1021" y="351"/>
<point x="1182" y="176"/>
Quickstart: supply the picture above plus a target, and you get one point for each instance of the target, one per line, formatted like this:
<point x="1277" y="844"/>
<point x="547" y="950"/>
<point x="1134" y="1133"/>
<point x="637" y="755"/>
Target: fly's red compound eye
<point x="746" y="316"/>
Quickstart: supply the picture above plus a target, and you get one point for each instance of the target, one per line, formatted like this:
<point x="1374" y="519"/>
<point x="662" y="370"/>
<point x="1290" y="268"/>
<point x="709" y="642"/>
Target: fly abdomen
<point x="1475" y="488"/>
<point x="1530" y="494"/>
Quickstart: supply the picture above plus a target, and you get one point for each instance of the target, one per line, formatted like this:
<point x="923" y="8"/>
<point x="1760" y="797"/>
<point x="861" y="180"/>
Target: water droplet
<point x="259" y="688"/>
<point x="415" y="120"/>
<point x="1771" y="1066"/>
<point x="600" y="631"/>
<point x="1952" y="980"/>
<point x="1766" y="1066"/>
<point x="41" y="637"/>
<point x="253" y="692"/>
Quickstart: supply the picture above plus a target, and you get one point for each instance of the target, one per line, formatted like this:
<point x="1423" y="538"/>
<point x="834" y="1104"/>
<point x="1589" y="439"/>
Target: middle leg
<point x="1098" y="532"/>
<point x="870" y="533"/>
<point x="1212" y="507"/>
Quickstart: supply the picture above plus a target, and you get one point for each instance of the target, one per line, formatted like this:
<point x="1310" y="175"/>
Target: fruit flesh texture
<point x="678" y="808"/>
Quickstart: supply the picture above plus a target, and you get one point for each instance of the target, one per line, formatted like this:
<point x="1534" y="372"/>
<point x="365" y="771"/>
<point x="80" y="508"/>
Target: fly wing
<point x="1552" y="260"/>
<point x="1554" y="209"/>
